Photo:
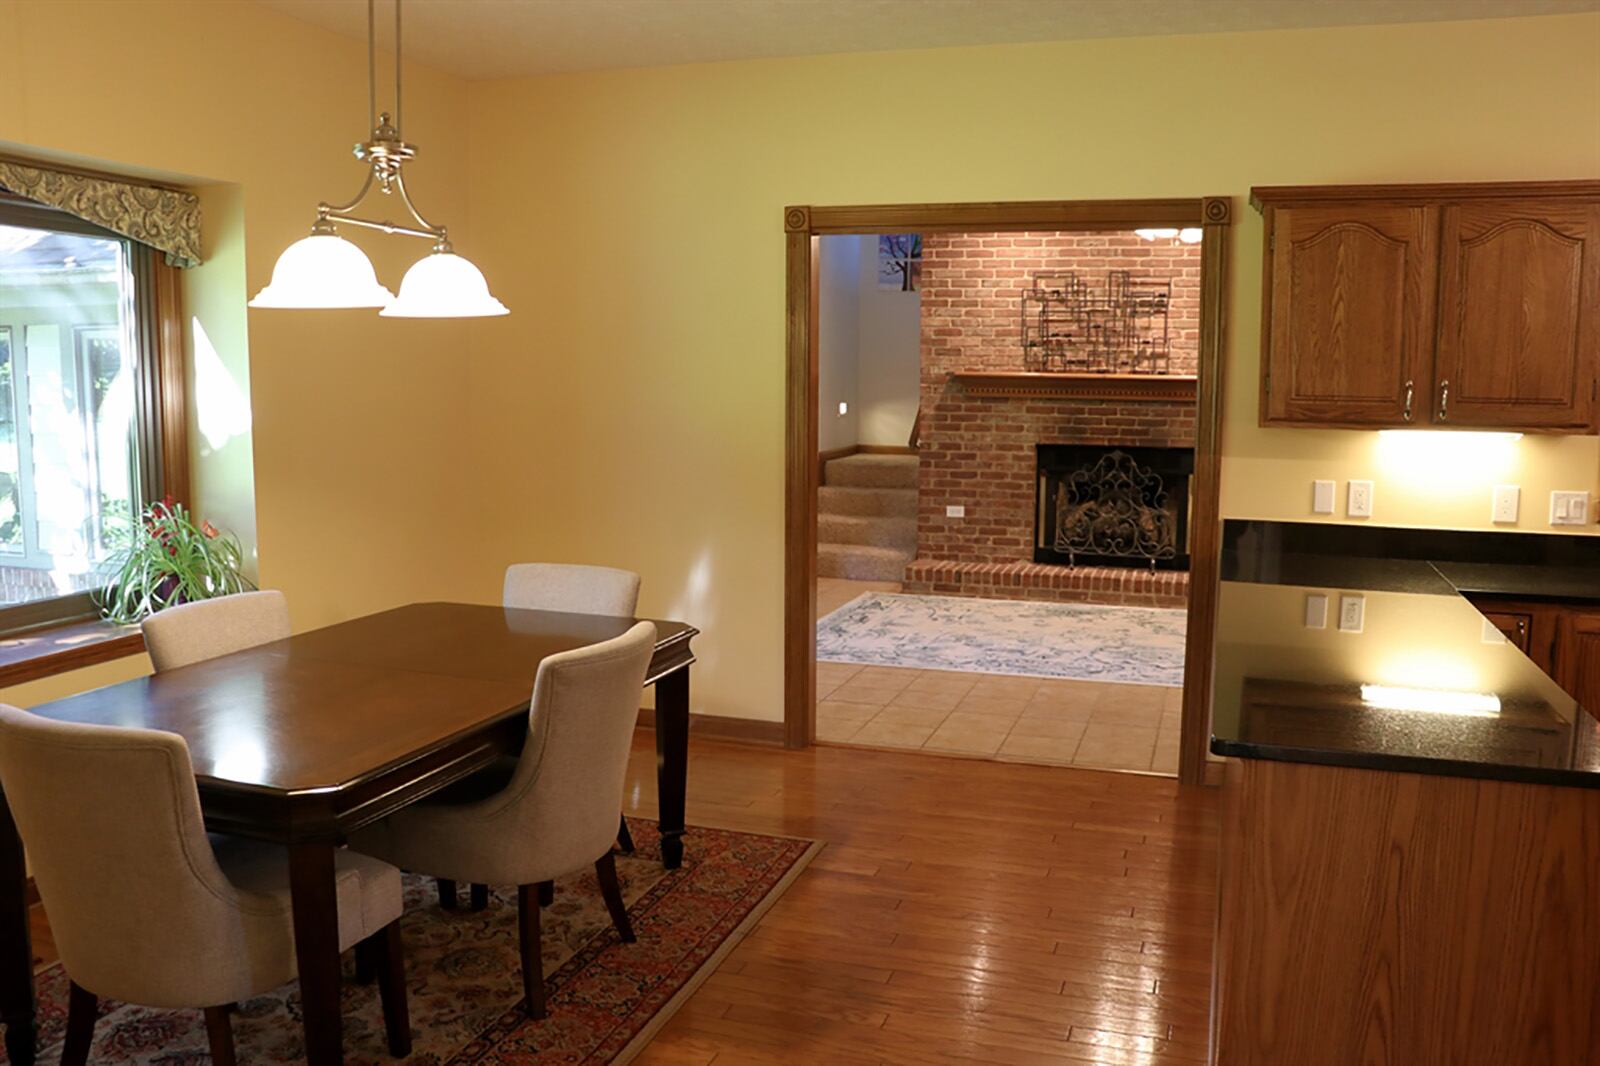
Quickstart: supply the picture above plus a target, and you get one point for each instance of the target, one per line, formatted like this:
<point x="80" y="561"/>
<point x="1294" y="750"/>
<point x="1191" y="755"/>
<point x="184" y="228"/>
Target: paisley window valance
<point x="165" y="219"/>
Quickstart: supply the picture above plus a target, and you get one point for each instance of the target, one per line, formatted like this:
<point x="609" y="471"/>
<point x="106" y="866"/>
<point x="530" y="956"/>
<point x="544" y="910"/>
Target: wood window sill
<point x="58" y="649"/>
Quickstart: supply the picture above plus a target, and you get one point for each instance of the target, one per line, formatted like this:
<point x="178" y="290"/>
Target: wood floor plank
<point x="963" y="911"/>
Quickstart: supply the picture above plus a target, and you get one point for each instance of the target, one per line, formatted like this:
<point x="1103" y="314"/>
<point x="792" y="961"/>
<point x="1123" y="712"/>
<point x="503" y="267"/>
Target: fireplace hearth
<point x="1104" y="505"/>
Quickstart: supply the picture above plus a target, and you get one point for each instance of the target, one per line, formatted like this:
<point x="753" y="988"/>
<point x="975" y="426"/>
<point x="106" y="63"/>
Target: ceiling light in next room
<point x="325" y="270"/>
<point x="1431" y="700"/>
<point x="1187" y="235"/>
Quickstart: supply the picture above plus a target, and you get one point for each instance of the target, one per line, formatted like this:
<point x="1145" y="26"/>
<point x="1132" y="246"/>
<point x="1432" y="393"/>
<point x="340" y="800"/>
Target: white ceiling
<point x="481" y="39"/>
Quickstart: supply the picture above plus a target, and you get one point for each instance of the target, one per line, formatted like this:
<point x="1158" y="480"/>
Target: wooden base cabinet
<point x="1432" y="306"/>
<point x="1371" y="918"/>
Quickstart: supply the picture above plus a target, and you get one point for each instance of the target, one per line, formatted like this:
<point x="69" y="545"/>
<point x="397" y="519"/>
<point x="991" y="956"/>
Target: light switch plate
<point x="1569" y="508"/>
<point x="1352" y="614"/>
<point x="1322" y="496"/>
<point x="956" y="510"/>
<point x="1507" y="502"/>
<point x="1359" y="503"/>
<point x="1316" y="610"/>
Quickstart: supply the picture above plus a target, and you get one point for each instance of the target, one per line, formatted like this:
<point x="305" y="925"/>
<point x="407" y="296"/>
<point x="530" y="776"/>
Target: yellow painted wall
<point x="631" y="408"/>
<point x="347" y="472"/>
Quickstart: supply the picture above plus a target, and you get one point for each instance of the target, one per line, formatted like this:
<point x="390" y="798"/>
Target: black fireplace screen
<point x="1113" y="506"/>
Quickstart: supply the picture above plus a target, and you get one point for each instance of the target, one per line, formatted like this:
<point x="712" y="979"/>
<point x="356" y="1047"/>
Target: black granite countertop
<point x="1426" y="685"/>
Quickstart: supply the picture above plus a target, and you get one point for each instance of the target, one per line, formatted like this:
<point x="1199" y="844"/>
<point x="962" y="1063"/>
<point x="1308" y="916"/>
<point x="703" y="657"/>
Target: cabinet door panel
<point x="1519" y="315"/>
<point x="1516" y="627"/>
<point x="1581" y="655"/>
<point x="1350" y="331"/>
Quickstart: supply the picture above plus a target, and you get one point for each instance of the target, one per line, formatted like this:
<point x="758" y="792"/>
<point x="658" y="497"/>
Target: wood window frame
<point x="803" y="225"/>
<point x="160" y="420"/>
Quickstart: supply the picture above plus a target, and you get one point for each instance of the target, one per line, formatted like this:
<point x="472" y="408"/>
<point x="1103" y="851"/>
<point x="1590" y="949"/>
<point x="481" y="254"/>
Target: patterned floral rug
<point x="1088" y="642"/>
<point x="606" y="998"/>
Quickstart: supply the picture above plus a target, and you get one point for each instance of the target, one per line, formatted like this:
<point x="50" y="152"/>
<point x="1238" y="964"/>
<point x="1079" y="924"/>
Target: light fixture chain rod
<point x="399" y="129"/>
<point x="372" y="67"/>
<point x="388" y="227"/>
<point x="405" y="198"/>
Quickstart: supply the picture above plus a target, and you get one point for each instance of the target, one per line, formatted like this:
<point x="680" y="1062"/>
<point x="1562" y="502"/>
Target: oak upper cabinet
<point x="1519" y="314"/>
<point x="1351" y="313"/>
<point x="1432" y="305"/>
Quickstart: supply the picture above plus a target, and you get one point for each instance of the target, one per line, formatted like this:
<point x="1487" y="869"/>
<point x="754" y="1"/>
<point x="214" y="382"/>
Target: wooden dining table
<point x="300" y="741"/>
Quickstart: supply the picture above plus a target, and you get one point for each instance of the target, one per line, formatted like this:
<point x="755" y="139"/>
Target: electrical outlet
<point x="1322" y="496"/>
<point x="1569" y="508"/>
<point x="1352" y="613"/>
<point x="1507" y="501"/>
<point x="1316" y="611"/>
<point x="1359" y="502"/>
<point x="956" y="510"/>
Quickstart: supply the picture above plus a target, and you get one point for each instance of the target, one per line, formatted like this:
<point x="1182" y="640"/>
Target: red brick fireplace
<point x="978" y="435"/>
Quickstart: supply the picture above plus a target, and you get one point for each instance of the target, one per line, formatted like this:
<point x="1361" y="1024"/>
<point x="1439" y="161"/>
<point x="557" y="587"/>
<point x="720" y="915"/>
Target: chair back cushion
<point x="110" y="817"/>
<point x="205" y="629"/>
<point x="563" y="797"/>
<point x="572" y="589"/>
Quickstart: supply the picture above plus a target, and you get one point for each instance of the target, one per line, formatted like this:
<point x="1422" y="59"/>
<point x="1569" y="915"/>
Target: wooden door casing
<point x="1351" y="295"/>
<point x="1519" y="315"/>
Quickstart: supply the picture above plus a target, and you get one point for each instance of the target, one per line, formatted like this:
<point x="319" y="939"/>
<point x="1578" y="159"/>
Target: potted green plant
<point x="170" y="560"/>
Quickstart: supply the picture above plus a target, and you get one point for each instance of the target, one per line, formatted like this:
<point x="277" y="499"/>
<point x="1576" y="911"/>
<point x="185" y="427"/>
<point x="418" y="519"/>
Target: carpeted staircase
<point x="867" y="517"/>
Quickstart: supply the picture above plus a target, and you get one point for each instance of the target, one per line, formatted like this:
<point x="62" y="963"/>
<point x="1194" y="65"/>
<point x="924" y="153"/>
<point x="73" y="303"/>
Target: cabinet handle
<point x="1411" y="391"/>
<point x="1444" y="401"/>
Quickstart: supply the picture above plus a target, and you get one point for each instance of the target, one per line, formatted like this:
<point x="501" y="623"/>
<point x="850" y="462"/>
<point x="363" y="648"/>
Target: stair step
<point x="874" y="531"/>
<point x="861" y="563"/>
<point x="844" y="500"/>
<point x="873" y="471"/>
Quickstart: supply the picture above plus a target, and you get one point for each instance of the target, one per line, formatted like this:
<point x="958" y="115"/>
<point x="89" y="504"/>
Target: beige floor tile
<point x="1060" y="712"/>
<point x="1116" y="747"/>
<point x="901" y="715"/>
<point x="837" y="673"/>
<point x="1053" y="728"/>
<point x="892" y="735"/>
<point x="1128" y="705"/>
<point x="981" y="734"/>
<point x="1057" y="750"/>
<point x="929" y="699"/>
<point x="837" y="730"/>
<point x="999" y="687"/>
<point x="837" y="710"/>
<point x="855" y="692"/>
<point x="885" y="677"/>
<point x="992" y="705"/>
<point x="930" y="681"/>
<point x="964" y="676"/>
<point x="1068" y="691"/>
<point x="1174" y="699"/>
<point x="1165" y="760"/>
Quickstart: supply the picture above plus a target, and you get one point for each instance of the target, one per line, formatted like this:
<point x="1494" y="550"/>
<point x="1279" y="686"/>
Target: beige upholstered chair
<point x="557" y="811"/>
<point x="144" y="907"/>
<point x="206" y="629"/>
<point x="571" y="588"/>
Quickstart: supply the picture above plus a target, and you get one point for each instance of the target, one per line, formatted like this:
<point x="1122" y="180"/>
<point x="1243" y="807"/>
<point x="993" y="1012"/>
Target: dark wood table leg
<point x="672" y="761"/>
<point x="16" y="946"/>
<point x="316" y="946"/>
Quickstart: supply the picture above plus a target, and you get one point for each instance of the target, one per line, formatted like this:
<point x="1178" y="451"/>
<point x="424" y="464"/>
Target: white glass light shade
<point x="444" y="285"/>
<point x="323" y="270"/>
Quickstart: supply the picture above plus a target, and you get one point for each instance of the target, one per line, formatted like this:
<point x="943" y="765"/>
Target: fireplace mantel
<point x="1150" y="388"/>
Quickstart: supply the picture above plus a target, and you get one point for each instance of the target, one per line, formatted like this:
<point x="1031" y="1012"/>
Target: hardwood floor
<point x="963" y="910"/>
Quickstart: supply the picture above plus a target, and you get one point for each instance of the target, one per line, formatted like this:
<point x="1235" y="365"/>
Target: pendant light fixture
<point x="325" y="270"/>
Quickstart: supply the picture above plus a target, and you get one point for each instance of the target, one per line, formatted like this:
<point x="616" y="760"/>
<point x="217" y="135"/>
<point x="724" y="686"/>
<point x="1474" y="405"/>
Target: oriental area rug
<point x="605" y="998"/>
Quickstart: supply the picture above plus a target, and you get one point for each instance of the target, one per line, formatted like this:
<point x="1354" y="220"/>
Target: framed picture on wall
<point x="900" y="261"/>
